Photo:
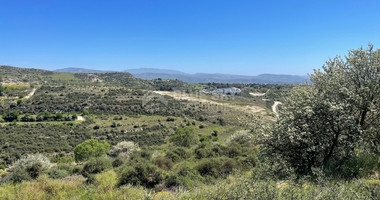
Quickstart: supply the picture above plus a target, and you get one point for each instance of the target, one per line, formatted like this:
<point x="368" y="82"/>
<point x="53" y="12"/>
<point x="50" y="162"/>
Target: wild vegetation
<point x="133" y="143"/>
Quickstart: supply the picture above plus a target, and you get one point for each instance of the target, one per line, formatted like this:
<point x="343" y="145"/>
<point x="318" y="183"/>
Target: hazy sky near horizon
<point x="236" y="37"/>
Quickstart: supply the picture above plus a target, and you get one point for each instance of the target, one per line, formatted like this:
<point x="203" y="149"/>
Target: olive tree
<point x="91" y="148"/>
<point x="29" y="167"/>
<point x="124" y="149"/>
<point x="184" y="137"/>
<point x="327" y="120"/>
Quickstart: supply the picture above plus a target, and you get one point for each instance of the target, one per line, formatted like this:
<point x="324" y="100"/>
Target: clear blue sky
<point x="238" y="37"/>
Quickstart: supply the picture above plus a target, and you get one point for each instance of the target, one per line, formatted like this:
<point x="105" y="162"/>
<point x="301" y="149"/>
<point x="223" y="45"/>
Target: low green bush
<point x="361" y="165"/>
<point x="118" y="161"/>
<point x="184" y="137"/>
<point x="96" y="165"/>
<point x="178" y="153"/>
<point x="164" y="163"/>
<point x="209" y="167"/>
<point x="140" y="173"/>
<point x="29" y="167"/>
<point x="57" y="173"/>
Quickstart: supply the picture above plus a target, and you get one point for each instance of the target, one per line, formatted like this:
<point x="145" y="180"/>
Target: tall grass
<point x="233" y="187"/>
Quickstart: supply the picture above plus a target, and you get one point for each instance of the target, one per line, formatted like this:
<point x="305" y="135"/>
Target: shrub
<point x="172" y="180"/>
<point x="249" y="161"/>
<point x="234" y="150"/>
<point x="204" y="151"/>
<point x="114" y="125"/>
<point x="361" y="165"/>
<point x="170" y="119"/>
<point x="241" y="137"/>
<point x="142" y="154"/>
<point x="64" y="159"/>
<point x="185" y="176"/>
<point x="124" y="149"/>
<point x="20" y="175"/>
<point x="164" y="163"/>
<point x="11" y="116"/>
<point x="209" y="167"/>
<point x="76" y="169"/>
<point x="106" y="181"/>
<point x="57" y="173"/>
<point x="117" y="162"/>
<point x="28" y="118"/>
<point x="85" y="112"/>
<point x="184" y="137"/>
<point x="177" y="154"/>
<point x="216" y="167"/>
<point x="203" y="139"/>
<point x="29" y="167"/>
<point x="141" y="173"/>
<point x="215" y="133"/>
<point x="96" y="165"/>
<point x="228" y="167"/>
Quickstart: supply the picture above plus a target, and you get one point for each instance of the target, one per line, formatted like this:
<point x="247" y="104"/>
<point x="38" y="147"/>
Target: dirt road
<point x="30" y="94"/>
<point x="188" y="97"/>
<point x="274" y="107"/>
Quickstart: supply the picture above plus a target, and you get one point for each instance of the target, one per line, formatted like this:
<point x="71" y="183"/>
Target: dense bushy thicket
<point x="199" y="162"/>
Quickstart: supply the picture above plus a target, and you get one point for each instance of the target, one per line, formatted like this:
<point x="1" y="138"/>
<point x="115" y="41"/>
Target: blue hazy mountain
<point x="154" y="73"/>
<point x="80" y="70"/>
<point x="217" y="78"/>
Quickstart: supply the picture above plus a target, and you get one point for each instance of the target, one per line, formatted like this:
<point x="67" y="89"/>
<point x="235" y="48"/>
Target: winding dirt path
<point x="258" y="94"/>
<point x="183" y="96"/>
<point x="30" y="94"/>
<point x="274" y="107"/>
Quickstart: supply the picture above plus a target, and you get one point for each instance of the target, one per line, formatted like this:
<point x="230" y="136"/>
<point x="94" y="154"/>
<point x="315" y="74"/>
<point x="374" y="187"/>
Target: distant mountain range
<point x="80" y="70"/>
<point x="151" y="73"/>
<point x="154" y="71"/>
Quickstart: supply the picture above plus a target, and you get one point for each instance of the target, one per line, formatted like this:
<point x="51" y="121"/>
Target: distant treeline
<point x="44" y="116"/>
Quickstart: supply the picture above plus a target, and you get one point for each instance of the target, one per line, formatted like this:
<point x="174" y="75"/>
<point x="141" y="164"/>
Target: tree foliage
<point x="91" y="148"/>
<point x="184" y="137"/>
<point x="29" y="167"/>
<point x="124" y="149"/>
<point x="334" y="116"/>
<point x="11" y="116"/>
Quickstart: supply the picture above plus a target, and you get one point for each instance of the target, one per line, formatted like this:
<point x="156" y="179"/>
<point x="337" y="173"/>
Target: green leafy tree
<point x="91" y="148"/>
<point x="184" y="137"/>
<point x="28" y="118"/>
<point x="336" y="114"/>
<point x="11" y="116"/>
